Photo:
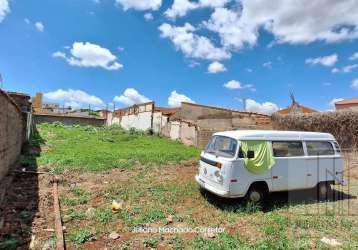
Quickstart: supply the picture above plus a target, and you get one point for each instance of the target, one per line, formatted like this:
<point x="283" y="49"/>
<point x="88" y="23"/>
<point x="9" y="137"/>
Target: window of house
<point x="287" y="148"/>
<point x="319" y="148"/>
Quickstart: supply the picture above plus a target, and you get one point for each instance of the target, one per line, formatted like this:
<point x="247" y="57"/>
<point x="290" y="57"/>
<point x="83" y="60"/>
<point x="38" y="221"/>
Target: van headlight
<point x="218" y="176"/>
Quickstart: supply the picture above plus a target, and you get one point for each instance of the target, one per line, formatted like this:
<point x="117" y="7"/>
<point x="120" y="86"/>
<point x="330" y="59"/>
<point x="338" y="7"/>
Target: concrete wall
<point x="192" y="112"/>
<point x="182" y="131"/>
<point x="203" y="137"/>
<point x="11" y="133"/>
<point x="188" y="133"/>
<point x="174" y="132"/>
<point x="68" y="120"/>
<point x="159" y="122"/>
<point x="140" y="121"/>
<point x="215" y="123"/>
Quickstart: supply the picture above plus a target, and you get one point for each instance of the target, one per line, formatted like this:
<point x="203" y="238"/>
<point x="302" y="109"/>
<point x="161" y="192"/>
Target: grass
<point x="96" y="149"/>
<point x="152" y="194"/>
<point x="81" y="236"/>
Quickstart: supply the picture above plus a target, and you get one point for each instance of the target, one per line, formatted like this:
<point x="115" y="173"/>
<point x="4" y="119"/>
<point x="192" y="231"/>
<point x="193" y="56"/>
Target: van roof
<point x="275" y="135"/>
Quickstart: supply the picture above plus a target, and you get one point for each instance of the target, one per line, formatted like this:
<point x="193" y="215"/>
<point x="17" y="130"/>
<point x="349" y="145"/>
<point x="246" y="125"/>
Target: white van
<point x="285" y="160"/>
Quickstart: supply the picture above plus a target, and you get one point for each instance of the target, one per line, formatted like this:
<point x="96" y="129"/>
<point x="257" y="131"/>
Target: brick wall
<point x="69" y="120"/>
<point x="219" y="119"/>
<point x="11" y="133"/>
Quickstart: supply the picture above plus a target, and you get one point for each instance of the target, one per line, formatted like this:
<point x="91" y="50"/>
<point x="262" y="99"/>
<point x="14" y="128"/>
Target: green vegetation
<point x="80" y="236"/>
<point x="154" y="195"/>
<point x="95" y="149"/>
<point x="8" y="244"/>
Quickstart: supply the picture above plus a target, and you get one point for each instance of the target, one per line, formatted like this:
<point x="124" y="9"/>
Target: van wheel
<point x="324" y="191"/>
<point x="255" y="195"/>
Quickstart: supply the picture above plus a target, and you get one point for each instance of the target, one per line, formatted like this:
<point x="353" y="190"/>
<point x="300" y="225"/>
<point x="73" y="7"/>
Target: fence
<point x="11" y="133"/>
<point x="342" y="124"/>
<point x="68" y="119"/>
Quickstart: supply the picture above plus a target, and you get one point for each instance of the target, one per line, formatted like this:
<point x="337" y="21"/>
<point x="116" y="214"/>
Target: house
<point x="22" y="100"/>
<point x="192" y="124"/>
<point x="348" y="104"/>
<point x="296" y="108"/>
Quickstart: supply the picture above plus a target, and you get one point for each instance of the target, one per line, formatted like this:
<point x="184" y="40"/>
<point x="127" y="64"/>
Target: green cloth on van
<point x="263" y="159"/>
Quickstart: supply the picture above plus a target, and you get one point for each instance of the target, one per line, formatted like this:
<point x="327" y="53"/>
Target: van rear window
<point x="319" y="148"/>
<point x="222" y="146"/>
<point x="287" y="148"/>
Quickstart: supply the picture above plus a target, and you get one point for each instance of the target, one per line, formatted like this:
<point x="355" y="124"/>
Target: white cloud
<point x="333" y="101"/>
<point x="327" y="61"/>
<point x="181" y="7"/>
<point x="319" y="20"/>
<point x="192" y="45"/>
<point x="59" y="54"/>
<point x="233" y="84"/>
<point x="175" y="99"/>
<point x="39" y="26"/>
<point x="266" y="107"/>
<point x="89" y="55"/>
<point x="267" y="64"/>
<point x="4" y="9"/>
<point x="140" y="4"/>
<point x="130" y="97"/>
<point x="354" y="84"/>
<point x="345" y="69"/>
<point x="193" y="64"/>
<point x="74" y="98"/>
<point x="148" y="16"/>
<point x="354" y="56"/>
<point x="216" y="67"/>
<point x="232" y="31"/>
<point x="26" y="20"/>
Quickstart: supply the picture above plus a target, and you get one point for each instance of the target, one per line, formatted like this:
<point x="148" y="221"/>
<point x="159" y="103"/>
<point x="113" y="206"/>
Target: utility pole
<point x="244" y="103"/>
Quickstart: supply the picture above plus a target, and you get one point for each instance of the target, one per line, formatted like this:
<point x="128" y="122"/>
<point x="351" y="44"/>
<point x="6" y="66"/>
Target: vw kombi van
<point x="253" y="163"/>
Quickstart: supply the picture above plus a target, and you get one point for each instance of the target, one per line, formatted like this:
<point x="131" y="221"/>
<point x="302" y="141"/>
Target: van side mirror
<point x="250" y="154"/>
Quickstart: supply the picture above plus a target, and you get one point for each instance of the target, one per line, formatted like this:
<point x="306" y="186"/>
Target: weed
<point x="202" y="244"/>
<point x="103" y="215"/>
<point x="74" y="215"/>
<point x="150" y="242"/>
<point x="80" y="197"/>
<point x="81" y="236"/>
<point x="126" y="245"/>
<point x="176" y="243"/>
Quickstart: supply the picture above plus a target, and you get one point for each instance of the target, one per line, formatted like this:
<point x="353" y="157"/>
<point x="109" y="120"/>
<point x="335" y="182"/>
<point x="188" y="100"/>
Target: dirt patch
<point x="85" y="200"/>
<point x="25" y="211"/>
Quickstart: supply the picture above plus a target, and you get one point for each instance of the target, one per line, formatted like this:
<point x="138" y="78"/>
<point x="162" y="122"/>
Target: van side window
<point x="336" y="146"/>
<point x="319" y="148"/>
<point x="287" y="148"/>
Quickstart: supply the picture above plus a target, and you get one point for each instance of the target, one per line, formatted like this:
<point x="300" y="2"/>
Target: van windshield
<point x="222" y="146"/>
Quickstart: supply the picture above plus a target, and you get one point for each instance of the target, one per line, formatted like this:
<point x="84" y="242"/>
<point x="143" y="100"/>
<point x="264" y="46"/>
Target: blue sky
<point x="125" y="51"/>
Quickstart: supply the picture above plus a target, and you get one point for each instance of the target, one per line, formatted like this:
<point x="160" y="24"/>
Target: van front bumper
<point x="210" y="188"/>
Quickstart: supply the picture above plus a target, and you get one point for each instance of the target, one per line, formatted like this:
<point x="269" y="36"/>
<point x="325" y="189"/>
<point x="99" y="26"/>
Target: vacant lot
<point x="152" y="180"/>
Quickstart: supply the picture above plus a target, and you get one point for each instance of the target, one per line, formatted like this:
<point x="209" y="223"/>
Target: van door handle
<point x="309" y="174"/>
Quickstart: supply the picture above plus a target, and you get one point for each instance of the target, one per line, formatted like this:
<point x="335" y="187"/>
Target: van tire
<point x="324" y="191"/>
<point x="256" y="195"/>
